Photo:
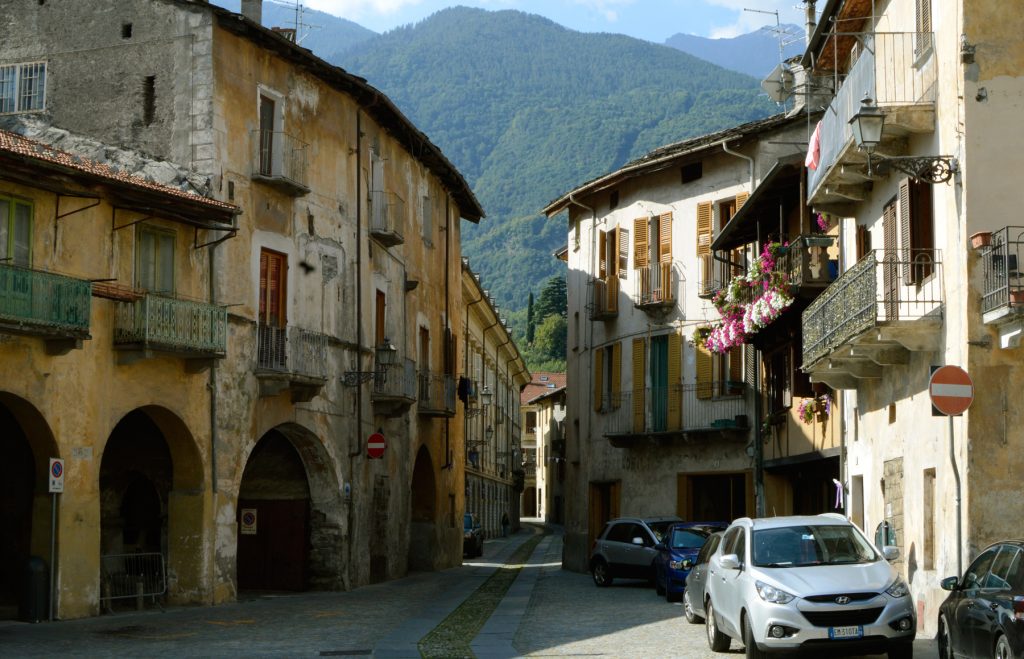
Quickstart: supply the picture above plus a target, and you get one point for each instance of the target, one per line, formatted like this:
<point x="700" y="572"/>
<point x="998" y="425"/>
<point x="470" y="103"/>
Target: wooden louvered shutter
<point x="741" y="199"/>
<point x="640" y="242"/>
<point x="863" y="241"/>
<point x="639" y="385"/>
<point x="623" y="252"/>
<point x="705" y="373"/>
<point x="890" y="263"/>
<point x="675" y="380"/>
<point x="704" y="228"/>
<point x="616" y="374"/>
<point x="734" y="386"/>
<point x="598" y="378"/>
<point x="602" y="254"/>
<point x="665" y="237"/>
<point x="273" y="270"/>
<point x="906" y="233"/>
<point x="263" y="286"/>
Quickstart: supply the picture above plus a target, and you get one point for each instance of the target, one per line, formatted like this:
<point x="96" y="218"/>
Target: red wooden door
<point x="275" y="557"/>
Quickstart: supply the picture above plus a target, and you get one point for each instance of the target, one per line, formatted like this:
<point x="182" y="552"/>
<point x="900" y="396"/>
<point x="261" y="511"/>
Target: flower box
<point x="981" y="239"/>
<point x="818" y="241"/>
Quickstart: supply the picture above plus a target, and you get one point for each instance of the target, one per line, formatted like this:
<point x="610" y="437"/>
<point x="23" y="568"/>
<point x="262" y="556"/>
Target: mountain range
<point x="755" y="54"/>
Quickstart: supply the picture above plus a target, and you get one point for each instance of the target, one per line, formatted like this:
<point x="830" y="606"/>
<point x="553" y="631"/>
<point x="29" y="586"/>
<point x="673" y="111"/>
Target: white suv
<point x="806" y="583"/>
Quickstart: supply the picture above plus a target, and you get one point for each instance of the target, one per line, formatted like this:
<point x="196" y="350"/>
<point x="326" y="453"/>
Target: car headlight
<point x="898" y="589"/>
<point x="467" y="535"/>
<point x="675" y="565"/>
<point x="772" y="594"/>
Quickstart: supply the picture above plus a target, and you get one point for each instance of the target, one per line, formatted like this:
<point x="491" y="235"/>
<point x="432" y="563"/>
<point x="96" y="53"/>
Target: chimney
<point x="253" y="10"/>
<point x="812" y="19"/>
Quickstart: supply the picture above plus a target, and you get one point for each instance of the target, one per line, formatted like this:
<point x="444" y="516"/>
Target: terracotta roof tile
<point x="543" y="384"/>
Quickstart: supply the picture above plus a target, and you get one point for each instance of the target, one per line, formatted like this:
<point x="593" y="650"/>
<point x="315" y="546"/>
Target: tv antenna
<point x="300" y="23"/>
<point x="785" y="36"/>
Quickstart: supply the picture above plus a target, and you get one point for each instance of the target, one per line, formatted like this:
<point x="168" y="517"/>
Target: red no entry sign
<point x="375" y="445"/>
<point x="951" y="389"/>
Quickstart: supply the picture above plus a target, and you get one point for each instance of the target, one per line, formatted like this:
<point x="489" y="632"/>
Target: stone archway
<point x="289" y="494"/>
<point x="26" y="444"/>
<point x="423" y="542"/>
<point x="152" y="509"/>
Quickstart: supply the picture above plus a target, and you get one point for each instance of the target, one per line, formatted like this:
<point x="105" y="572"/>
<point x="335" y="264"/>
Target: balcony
<point x="293" y="359"/>
<point x="279" y="160"/>
<point x="387" y="217"/>
<point x="709" y="279"/>
<point x="604" y="300"/>
<point x="806" y="265"/>
<point x="656" y="287"/>
<point x="436" y="394"/>
<point x="894" y="69"/>
<point x="887" y="305"/>
<point x="47" y="305"/>
<point x="684" y="411"/>
<point x="394" y="388"/>
<point x="1002" y="298"/>
<point x="185" y="328"/>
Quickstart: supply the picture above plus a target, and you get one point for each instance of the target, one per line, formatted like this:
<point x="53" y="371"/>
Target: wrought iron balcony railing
<point x="604" y="301"/>
<point x="709" y="278"/>
<point x="396" y="382"/>
<point x="436" y="394"/>
<point x="1003" y="267"/>
<point x="685" y="408"/>
<point x="805" y="262"/>
<point x="38" y="302"/>
<point x="890" y="69"/>
<point x="387" y="217"/>
<point x="655" y="286"/>
<point x="167" y="324"/>
<point x="292" y="350"/>
<point x="280" y="159"/>
<point x="883" y="288"/>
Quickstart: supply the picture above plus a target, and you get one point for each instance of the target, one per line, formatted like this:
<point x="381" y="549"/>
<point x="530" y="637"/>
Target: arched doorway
<point x="423" y="544"/>
<point x="273" y="511"/>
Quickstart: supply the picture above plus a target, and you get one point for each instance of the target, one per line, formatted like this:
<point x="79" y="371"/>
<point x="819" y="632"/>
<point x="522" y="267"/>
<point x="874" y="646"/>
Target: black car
<point x="472" y="536"/>
<point x="984" y="613"/>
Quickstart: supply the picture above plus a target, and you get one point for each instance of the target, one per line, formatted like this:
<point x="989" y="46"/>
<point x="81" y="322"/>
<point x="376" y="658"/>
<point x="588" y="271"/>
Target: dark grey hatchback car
<point x="625" y="548"/>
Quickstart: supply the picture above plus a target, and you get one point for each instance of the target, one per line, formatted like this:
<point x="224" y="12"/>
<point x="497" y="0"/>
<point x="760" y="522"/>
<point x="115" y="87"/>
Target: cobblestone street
<point x="546" y="612"/>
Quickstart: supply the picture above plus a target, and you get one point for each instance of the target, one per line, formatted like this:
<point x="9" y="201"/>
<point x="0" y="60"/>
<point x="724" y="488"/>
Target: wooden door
<point x="275" y="557"/>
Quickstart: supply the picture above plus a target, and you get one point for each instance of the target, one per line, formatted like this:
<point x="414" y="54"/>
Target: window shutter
<point x="639" y="385"/>
<point x="264" y="264"/>
<point x="735" y="370"/>
<point x="741" y="199"/>
<point x="890" y="265"/>
<point x="640" y="242"/>
<point x="675" y="394"/>
<point x="906" y="232"/>
<point x="598" y="378"/>
<point x="616" y="373"/>
<point x="665" y="237"/>
<point x="704" y="373"/>
<point x="703" y="228"/>
<point x="862" y="241"/>
<point x="602" y="254"/>
<point x="623" y="252"/>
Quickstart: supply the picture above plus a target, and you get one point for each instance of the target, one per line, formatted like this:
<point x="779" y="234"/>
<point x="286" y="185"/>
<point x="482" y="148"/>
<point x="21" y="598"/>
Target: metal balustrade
<point x="279" y="158"/>
<point x="1001" y="263"/>
<point x="396" y="382"/>
<point x="387" y="217"/>
<point x="656" y="285"/>
<point x="34" y="300"/>
<point x="710" y="406"/>
<point x="166" y="323"/>
<point x="604" y="301"/>
<point x="292" y="350"/>
<point x="805" y="261"/>
<point x="891" y="69"/>
<point x="436" y="394"/>
<point x="884" y="287"/>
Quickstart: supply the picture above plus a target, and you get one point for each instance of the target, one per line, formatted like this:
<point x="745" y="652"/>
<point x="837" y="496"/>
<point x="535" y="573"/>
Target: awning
<point x="781" y="184"/>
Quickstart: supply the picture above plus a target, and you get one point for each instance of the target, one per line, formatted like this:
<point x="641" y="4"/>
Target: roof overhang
<point x="779" y="184"/>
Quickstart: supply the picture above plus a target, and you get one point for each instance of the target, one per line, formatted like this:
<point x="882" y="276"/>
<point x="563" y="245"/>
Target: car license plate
<point x="855" y="631"/>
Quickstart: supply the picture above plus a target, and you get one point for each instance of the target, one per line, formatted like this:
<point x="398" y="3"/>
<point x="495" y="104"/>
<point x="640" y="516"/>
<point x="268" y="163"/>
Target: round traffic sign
<point x="56" y="469"/>
<point x="951" y="389"/>
<point x="375" y="445"/>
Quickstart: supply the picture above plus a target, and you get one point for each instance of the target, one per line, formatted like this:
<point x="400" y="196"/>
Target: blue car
<point x="676" y="553"/>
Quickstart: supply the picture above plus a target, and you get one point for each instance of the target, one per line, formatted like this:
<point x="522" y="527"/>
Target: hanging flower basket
<point x="819" y="407"/>
<point x="981" y="239"/>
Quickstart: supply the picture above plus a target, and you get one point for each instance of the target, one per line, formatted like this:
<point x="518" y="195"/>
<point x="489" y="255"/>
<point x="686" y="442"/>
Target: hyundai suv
<point x="806" y="583"/>
<point x="625" y="548"/>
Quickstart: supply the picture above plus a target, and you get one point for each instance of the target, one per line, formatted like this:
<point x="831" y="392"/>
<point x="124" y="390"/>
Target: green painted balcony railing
<point x="43" y="302"/>
<point x="172" y="325"/>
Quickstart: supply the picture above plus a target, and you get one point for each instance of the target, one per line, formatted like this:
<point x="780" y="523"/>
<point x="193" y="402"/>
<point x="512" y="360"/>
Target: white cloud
<point x="355" y="9"/>
<point x="604" y="8"/>
<point x="748" y="21"/>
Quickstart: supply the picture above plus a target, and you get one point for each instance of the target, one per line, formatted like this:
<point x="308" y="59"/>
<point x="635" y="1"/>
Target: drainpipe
<point x="359" y="289"/>
<point x="465" y="365"/>
<point x="811" y="20"/>
<point x="449" y="344"/>
<point x="725" y="147"/>
<point x="213" y="386"/>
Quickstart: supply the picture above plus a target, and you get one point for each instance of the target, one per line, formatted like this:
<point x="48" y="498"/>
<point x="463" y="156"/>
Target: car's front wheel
<point x="717" y="641"/>
<point x="1003" y="650"/>
<point x="691" y="615"/>
<point x="943" y="639"/>
<point x="602" y="575"/>
<point x="753" y="652"/>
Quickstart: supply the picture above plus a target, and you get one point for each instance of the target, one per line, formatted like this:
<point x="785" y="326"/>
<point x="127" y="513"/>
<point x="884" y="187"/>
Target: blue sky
<point x="653" y="20"/>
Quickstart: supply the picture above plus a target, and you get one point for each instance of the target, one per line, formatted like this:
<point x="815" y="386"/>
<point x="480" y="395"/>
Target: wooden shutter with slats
<point x="623" y="252"/>
<point x="602" y="254"/>
<point x="675" y="371"/>
<point x="741" y="199"/>
<point x="890" y="265"/>
<point x="906" y="232"/>
<point x="616" y="374"/>
<point x="598" y="378"/>
<point x="665" y="237"/>
<point x="705" y="373"/>
<point x="735" y="386"/>
<point x="639" y="385"/>
<point x="640" y="242"/>
<point x="704" y="228"/>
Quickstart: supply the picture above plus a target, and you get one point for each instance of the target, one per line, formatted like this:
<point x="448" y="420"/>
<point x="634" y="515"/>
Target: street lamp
<point x="485" y="400"/>
<point x="867" y="126"/>
<point x="385" y="357"/>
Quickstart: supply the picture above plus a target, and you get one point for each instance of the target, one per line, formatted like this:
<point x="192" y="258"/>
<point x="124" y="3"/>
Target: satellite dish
<point x="779" y="83"/>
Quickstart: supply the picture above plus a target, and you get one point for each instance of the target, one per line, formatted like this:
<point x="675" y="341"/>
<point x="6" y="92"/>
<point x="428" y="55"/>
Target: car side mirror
<point x="638" y="541"/>
<point x="730" y="562"/>
<point x="661" y="546"/>
<point x="950" y="583"/>
<point x="890" y="552"/>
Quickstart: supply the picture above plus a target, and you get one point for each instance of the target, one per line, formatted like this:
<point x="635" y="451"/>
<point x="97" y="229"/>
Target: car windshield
<point x="659" y="528"/>
<point x="800" y="546"/>
<point x="467" y="522"/>
<point x="687" y="539"/>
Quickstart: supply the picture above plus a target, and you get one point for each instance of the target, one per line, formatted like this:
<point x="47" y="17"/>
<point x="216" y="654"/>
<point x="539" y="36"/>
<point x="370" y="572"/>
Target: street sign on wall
<point x="375" y="445"/>
<point x="951" y="390"/>
<point x="248" y="519"/>
<point x="56" y="475"/>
